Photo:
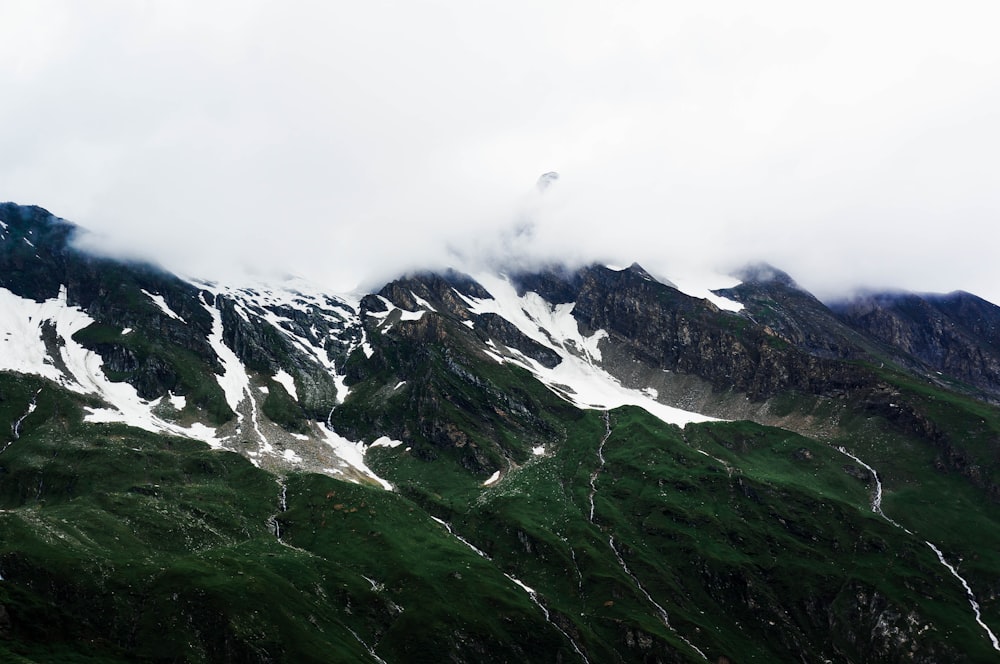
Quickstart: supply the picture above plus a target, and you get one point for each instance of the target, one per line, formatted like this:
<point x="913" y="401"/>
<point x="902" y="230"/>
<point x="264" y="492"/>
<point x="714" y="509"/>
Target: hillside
<point x="568" y="464"/>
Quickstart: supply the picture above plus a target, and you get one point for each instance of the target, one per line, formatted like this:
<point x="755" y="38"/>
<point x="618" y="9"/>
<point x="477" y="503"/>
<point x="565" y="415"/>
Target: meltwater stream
<point x="532" y="595"/>
<point x="877" y="509"/>
<point x="664" y="618"/>
<point x="600" y="465"/>
<point x="16" y="427"/>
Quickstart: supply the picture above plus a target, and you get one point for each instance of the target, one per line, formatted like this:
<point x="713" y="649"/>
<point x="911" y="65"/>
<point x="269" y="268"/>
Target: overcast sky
<point x="849" y="143"/>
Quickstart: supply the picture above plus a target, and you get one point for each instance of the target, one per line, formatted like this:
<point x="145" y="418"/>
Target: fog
<point x="853" y="145"/>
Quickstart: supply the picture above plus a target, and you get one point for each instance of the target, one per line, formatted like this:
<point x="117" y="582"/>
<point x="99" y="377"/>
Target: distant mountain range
<point x="562" y="465"/>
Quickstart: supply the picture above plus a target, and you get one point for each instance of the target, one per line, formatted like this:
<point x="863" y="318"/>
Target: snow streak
<point x="877" y="497"/>
<point x="162" y="304"/>
<point x="877" y="509"/>
<point x="578" y="377"/>
<point x="31" y="408"/>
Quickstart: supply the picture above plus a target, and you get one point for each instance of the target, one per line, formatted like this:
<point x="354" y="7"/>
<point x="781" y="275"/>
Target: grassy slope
<point x="937" y="485"/>
<point x="117" y="545"/>
<point x="776" y="555"/>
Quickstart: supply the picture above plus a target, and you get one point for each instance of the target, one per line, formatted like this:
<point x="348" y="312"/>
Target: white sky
<point x="849" y="143"/>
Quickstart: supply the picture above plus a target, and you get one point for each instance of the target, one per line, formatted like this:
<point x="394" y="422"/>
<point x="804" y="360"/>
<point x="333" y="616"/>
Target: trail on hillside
<point x="877" y="509"/>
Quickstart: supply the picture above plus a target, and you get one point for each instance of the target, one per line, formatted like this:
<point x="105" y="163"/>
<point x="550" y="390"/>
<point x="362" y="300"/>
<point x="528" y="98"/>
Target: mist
<point x="851" y="146"/>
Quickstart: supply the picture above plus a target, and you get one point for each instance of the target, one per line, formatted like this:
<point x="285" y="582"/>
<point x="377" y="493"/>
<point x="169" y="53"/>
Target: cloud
<point x="851" y="146"/>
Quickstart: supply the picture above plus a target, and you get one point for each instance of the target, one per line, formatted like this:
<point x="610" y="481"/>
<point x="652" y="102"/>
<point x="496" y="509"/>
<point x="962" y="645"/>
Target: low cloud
<point x="851" y="147"/>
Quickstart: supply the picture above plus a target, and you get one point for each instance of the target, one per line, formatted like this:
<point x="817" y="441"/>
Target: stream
<point x="664" y="618"/>
<point x="532" y="595"/>
<point x="600" y="465"/>
<point x="877" y="509"/>
<point x="16" y="427"/>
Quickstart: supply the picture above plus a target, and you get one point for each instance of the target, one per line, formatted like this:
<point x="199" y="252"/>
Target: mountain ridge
<point x="631" y="472"/>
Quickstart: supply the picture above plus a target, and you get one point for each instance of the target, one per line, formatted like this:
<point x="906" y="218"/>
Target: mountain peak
<point x="546" y="180"/>
<point x="764" y="273"/>
<point x="408" y="452"/>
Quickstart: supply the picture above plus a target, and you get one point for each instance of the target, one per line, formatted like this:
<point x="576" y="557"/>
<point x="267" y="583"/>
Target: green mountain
<point x="564" y="465"/>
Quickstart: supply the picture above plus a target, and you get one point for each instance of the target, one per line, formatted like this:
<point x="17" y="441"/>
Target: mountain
<point x="954" y="336"/>
<point x="559" y="465"/>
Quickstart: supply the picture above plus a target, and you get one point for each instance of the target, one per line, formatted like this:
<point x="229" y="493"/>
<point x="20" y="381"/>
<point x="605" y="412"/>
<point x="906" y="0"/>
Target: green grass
<point x="120" y="545"/>
<point x="195" y="378"/>
<point x="280" y="408"/>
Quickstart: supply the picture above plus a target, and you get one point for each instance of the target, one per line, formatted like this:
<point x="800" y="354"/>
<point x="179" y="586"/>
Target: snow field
<point x="577" y="378"/>
<point x="23" y="350"/>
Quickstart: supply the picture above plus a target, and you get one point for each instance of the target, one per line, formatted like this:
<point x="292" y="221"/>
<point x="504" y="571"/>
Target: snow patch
<point x="339" y="380"/>
<point x="287" y="382"/>
<point x="162" y="304"/>
<point x="492" y="479"/>
<point x="701" y="285"/>
<point x="21" y="347"/>
<point x="24" y="351"/>
<point x="234" y="380"/>
<point x="577" y="378"/>
<point x="403" y="313"/>
<point x="385" y="441"/>
<point x="353" y="454"/>
<point x="422" y="302"/>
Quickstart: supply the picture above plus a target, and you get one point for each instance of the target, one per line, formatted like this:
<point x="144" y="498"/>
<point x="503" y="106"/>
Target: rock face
<point x="433" y="364"/>
<point x="781" y="308"/>
<point x="265" y="350"/>
<point x="168" y="351"/>
<point x="658" y="326"/>
<point x="675" y="332"/>
<point x="957" y="334"/>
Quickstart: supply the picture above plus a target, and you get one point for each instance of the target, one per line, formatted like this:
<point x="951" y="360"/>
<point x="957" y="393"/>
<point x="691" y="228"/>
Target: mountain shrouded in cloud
<point x="546" y="180"/>
<point x="588" y="441"/>
<point x="619" y="467"/>
<point x="852" y="147"/>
